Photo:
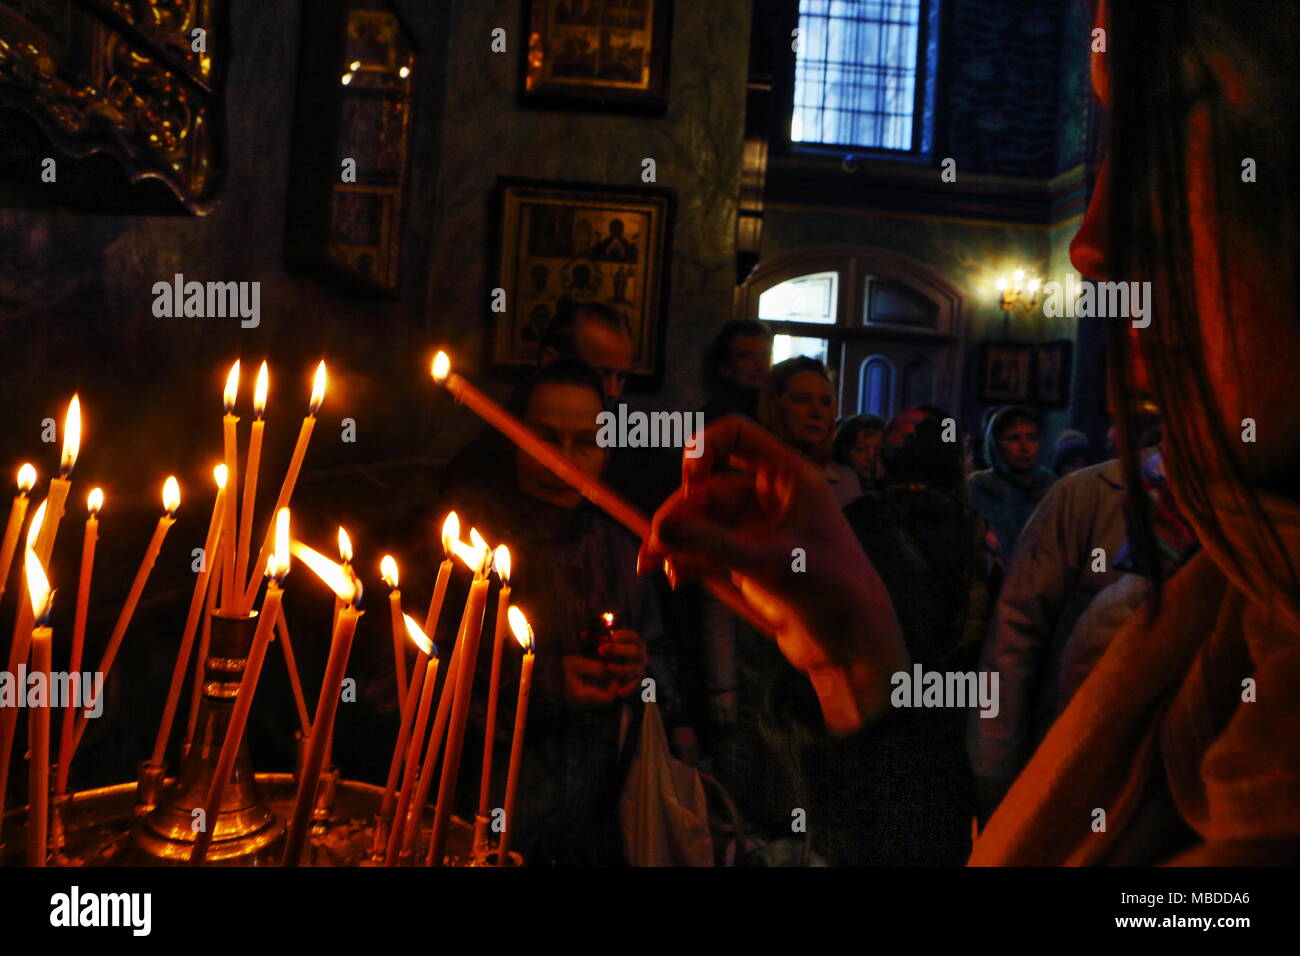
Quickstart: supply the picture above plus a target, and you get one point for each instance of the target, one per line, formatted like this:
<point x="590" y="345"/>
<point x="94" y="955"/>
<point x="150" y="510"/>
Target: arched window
<point x="888" y="327"/>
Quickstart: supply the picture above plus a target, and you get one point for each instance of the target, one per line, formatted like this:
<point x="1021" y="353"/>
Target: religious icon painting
<point x="597" y="53"/>
<point x="1005" y="369"/>
<point x="1052" y="373"/>
<point x="563" y="243"/>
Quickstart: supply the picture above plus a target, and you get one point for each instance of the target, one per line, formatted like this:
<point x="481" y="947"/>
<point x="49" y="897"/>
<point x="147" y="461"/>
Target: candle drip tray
<point x="97" y="828"/>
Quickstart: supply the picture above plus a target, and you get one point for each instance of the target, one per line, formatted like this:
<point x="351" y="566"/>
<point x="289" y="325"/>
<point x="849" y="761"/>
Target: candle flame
<point x="522" y="630"/>
<point x="317" y="389"/>
<point x="95" y="500"/>
<point x="388" y="571"/>
<point x="277" y="564"/>
<point x="34" y="529"/>
<point x="501" y="561"/>
<point x="608" y="618"/>
<point x="221" y="473"/>
<point x="260" y="390"/>
<point x="344" y="585"/>
<point x="171" y="495"/>
<point x="345" y="546"/>
<point x="71" y="437"/>
<point x="232" y="388"/>
<point x="416" y="633"/>
<point x="26" y="478"/>
<point x="38" y="588"/>
<point x="450" y="533"/>
<point x="441" y="367"/>
<point x="478" y="540"/>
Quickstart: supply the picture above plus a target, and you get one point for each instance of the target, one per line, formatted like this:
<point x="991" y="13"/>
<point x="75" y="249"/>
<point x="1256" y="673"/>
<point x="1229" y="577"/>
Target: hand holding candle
<point x="524" y="635"/>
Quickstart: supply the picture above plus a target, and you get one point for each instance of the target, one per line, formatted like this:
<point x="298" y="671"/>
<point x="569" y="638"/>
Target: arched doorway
<point x="888" y="327"/>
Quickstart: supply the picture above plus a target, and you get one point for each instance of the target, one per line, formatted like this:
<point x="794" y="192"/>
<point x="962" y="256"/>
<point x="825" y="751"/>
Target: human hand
<point x="624" y="657"/>
<point x="752" y="509"/>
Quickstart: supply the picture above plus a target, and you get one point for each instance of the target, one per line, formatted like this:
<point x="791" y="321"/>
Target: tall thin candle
<point x="201" y="584"/>
<point x="277" y="566"/>
<point x="171" y="501"/>
<point x="250" y="478"/>
<point x="38" y="778"/>
<point x="94" y="502"/>
<point x="348" y="589"/>
<point x="388" y="571"/>
<point x="598" y="494"/>
<point x="17" y="512"/>
<point x="524" y="635"/>
<point x="471" y="629"/>
<point x="501" y="562"/>
<point x="430" y="678"/>
<point x="405" y="726"/>
<point x="230" y="443"/>
<point x="290" y="476"/>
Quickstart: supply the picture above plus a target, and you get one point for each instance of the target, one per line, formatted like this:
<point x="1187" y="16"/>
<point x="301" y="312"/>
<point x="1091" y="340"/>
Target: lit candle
<point x="94" y="502"/>
<point x="524" y="635"/>
<point x="418" y="685"/>
<point x="429" y="651"/>
<point x="230" y="441"/>
<point x="201" y="585"/>
<point x="205" y="641"/>
<point x="250" y="478"/>
<point x="171" y="501"/>
<point x="38" y="778"/>
<point x="17" y="512"/>
<point x="552" y="459"/>
<point x="59" y="486"/>
<point x="388" y="571"/>
<point x="501" y="562"/>
<point x="277" y="566"/>
<point x="470" y="631"/>
<point x="473" y="557"/>
<point x="450" y="533"/>
<point x="290" y="476"/>
<point x="347" y="589"/>
<point x="18" y="652"/>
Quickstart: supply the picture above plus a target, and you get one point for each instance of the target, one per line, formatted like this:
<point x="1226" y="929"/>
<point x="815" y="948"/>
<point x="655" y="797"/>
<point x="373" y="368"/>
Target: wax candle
<point x="205" y="640"/>
<point x="524" y="635"/>
<point x="471" y="628"/>
<point x="501" y="562"/>
<point x="19" y="650"/>
<point x="59" y="486"/>
<point x="348" y="590"/>
<point x="230" y="442"/>
<point x="473" y="557"/>
<point x="277" y="566"/>
<point x="291" y="665"/>
<point x="171" y="501"/>
<point x="17" y="512"/>
<point x="250" y="479"/>
<point x="201" y="585"/>
<point x="291" y="475"/>
<point x="38" y="778"/>
<point x="416" y="736"/>
<point x="388" y="571"/>
<point x="551" y="458"/>
<point x="94" y="502"/>
<point x="405" y="726"/>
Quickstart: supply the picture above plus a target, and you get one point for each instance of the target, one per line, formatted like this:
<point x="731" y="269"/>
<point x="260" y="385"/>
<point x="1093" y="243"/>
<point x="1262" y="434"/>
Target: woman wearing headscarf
<point x="1007" y="492"/>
